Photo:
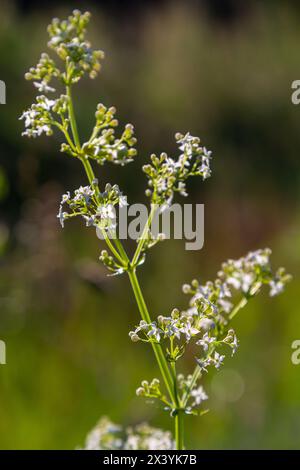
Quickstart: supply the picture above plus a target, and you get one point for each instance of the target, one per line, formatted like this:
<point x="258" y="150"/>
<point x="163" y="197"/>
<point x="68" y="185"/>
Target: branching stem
<point x="168" y="373"/>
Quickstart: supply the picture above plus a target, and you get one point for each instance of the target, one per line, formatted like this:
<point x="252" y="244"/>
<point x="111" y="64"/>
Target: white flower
<point x="148" y="438"/>
<point x="206" y="323"/>
<point x="236" y="283"/>
<point x="43" y="128"/>
<point x="260" y="257"/>
<point x="85" y="193"/>
<point x="201" y="298"/>
<point x="276" y="287"/>
<point x="225" y="304"/>
<point x="65" y="197"/>
<point x="191" y="312"/>
<point x="107" y="215"/>
<point x="43" y="87"/>
<point x="204" y="363"/>
<point x="61" y="216"/>
<point x="142" y="326"/>
<point x="205" y="341"/>
<point x="132" y="442"/>
<point x="172" y="165"/>
<point x="198" y="395"/>
<point x="29" y="117"/>
<point x="172" y="330"/>
<point x="186" y="143"/>
<point x="224" y="291"/>
<point x="247" y="281"/>
<point x="188" y="330"/>
<point x="218" y="360"/>
<point x="105" y="435"/>
<point x="45" y="103"/>
<point x="155" y="332"/>
<point x="161" y="184"/>
<point x="182" y="189"/>
<point x="134" y="336"/>
<point x="234" y="345"/>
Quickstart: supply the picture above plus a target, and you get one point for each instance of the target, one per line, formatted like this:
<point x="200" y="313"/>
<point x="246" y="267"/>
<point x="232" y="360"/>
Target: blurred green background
<point x="223" y="71"/>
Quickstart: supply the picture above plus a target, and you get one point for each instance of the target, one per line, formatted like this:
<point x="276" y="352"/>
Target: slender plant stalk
<point x="179" y="430"/>
<point x="243" y="302"/>
<point x="143" y="237"/>
<point x="179" y="416"/>
<point x="72" y="118"/>
<point x="162" y="362"/>
<point x="120" y="254"/>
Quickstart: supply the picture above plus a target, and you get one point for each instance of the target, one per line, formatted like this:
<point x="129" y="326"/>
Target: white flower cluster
<point x="104" y="436"/>
<point x="106" y="147"/>
<point x="145" y="437"/>
<point x="97" y="209"/>
<point x="198" y="395"/>
<point x="108" y="436"/>
<point x="242" y="274"/>
<point x="175" y="326"/>
<point x="67" y="38"/>
<point x="39" y="118"/>
<point x="167" y="175"/>
<point x="247" y="275"/>
<point x="180" y="329"/>
<point x="206" y="320"/>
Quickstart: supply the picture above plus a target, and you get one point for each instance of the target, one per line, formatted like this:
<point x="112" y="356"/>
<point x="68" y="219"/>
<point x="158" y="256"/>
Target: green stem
<point x="89" y="170"/>
<point x="121" y="255"/>
<point x="72" y="118"/>
<point x="65" y="133"/>
<point x="179" y="430"/>
<point x="243" y="302"/>
<point x="143" y="237"/>
<point x="162" y="362"/>
<point x="121" y="250"/>
<point x="174" y="375"/>
<point x="112" y="248"/>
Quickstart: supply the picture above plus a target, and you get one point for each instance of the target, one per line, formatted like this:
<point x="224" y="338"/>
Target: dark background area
<point x="221" y="70"/>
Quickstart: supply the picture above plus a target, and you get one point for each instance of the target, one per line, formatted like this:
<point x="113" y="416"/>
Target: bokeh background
<point x="222" y="70"/>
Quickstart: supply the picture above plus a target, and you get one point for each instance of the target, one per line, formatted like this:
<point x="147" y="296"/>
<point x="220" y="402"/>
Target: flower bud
<point x="155" y="383"/>
<point x="140" y="392"/>
<point x="186" y="288"/>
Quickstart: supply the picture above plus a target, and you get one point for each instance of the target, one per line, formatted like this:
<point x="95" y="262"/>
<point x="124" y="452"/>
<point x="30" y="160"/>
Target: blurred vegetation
<point x="172" y="68"/>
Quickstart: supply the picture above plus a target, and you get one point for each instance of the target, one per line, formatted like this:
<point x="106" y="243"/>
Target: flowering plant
<point x="205" y="325"/>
